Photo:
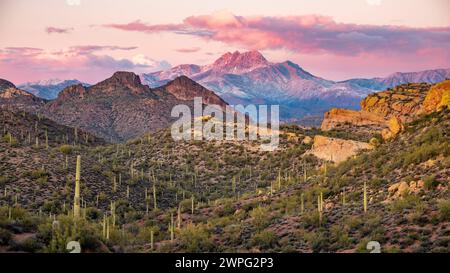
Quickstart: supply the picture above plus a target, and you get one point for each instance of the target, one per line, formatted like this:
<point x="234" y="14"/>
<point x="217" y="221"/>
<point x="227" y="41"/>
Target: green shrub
<point x="408" y="202"/>
<point x="66" y="149"/>
<point x="260" y="217"/>
<point x="444" y="210"/>
<point x="264" y="239"/>
<point x="430" y="182"/>
<point x="3" y="180"/>
<point x="195" y="238"/>
<point x="5" y="236"/>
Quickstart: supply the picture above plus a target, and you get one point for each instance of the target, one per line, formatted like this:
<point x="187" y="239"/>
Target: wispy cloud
<point x="304" y="34"/>
<point x="188" y="50"/>
<point x="85" y="62"/>
<point x="58" y="30"/>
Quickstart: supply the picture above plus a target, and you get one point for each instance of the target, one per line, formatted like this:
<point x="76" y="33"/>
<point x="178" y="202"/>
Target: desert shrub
<point x="260" y="217"/>
<point x="3" y="180"/>
<point x="35" y="174"/>
<point x="264" y="239"/>
<point x="186" y="205"/>
<point x="195" y="238"/>
<point x="339" y="236"/>
<point x="5" y="236"/>
<point x="430" y="182"/>
<point x="89" y="240"/>
<point x="353" y="222"/>
<point x="377" y="182"/>
<point x="374" y="142"/>
<point x="444" y="210"/>
<point x="313" y="219"/>
<point x="66" y="149"/>
<point x="31" y="244"/>
<point x="42" y="180"/>
<point x="226" y="209"/>
<point x="317" y="240"/>
<point x="433" y="134"/>
<point x="408" y="202"/>
<point x="233" y="233"/>
<point x="10" y="139"/>
<point x="422" y="153"/>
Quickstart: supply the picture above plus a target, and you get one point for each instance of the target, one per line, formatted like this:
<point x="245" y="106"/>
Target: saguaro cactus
<point x="171" y="227"/>
<point x="179" y="217"/>
<point x="151" y="239"/>
<point x="279" y="179"/>
<point x="365" y="197"/>
<point x="154" y="196"/>
<point x="343" y="197"/>
<point x="104" y="225"/>
<point x="46" y="139"/>
<point x="76" y="201"/>
<point x="302" y="203"/>
<point x="304" y="170"/>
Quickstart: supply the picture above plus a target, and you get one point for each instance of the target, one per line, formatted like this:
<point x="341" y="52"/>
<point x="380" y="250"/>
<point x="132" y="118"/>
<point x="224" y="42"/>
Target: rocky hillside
<point x="13" y="98"/>
<point x="386" y="112"/>
<point x="230" y="196"/>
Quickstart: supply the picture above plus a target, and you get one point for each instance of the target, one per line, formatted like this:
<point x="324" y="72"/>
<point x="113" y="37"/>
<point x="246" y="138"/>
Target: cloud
<point x="374" y="2"/>
<point x="187" y="50"/>
<point x="143" y="27"/>
<point x="51" y="30"/>
<point x="87" y="49"/>
<point x="153" y="65"/>
<point x="86" y="62"/>
<point x="313" y="34"/>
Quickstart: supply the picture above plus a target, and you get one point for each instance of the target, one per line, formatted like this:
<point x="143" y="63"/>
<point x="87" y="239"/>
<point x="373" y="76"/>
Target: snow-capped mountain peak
<point x="237" y="62"/>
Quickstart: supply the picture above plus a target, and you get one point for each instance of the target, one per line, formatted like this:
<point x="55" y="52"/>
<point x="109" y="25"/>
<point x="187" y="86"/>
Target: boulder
<point x="335" y="149"/>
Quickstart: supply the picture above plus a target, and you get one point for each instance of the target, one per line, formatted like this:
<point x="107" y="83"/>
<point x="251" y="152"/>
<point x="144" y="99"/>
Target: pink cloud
<point x="312" y="34"/>
<point x="143" y="27"/>
<point x="187" y="50"/>
<point x="21" y="64"/>
<point x="58" y="30"/>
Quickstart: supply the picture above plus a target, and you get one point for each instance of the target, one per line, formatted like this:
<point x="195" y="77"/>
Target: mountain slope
<point x="12" y="97"/>
<point x="398" y="78"/>
<point x="249" y="78"/>
<point x="48" y="89"/>
<point x="120" y="107"/>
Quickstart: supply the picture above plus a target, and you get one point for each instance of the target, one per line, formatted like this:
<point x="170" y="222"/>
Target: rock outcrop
<point x="386" y="112"/>
<point x="335" y="149"/>
<point x="336" y="118"/>
<point x="404" y="101"/>
<point x="437" y="97"/>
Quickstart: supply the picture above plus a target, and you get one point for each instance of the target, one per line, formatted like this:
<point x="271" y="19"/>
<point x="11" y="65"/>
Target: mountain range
<point x="243" y="78"/>
<point x="116" y="109"/>
<point x="250" y="78"/>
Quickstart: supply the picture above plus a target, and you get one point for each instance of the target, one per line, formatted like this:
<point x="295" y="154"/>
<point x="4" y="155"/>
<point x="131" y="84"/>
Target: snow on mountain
<point x="48" y="89"/>
<point x="250" y="78"/>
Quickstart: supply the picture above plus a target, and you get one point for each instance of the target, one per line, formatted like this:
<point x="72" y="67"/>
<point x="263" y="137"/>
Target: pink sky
<point x="90" y="39"/>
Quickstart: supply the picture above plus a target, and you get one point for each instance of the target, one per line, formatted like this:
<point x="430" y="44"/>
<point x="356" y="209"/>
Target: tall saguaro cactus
<point x="154" y="196"/>
<point x="76" y="201"/>
<point x="365" y="197"/>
